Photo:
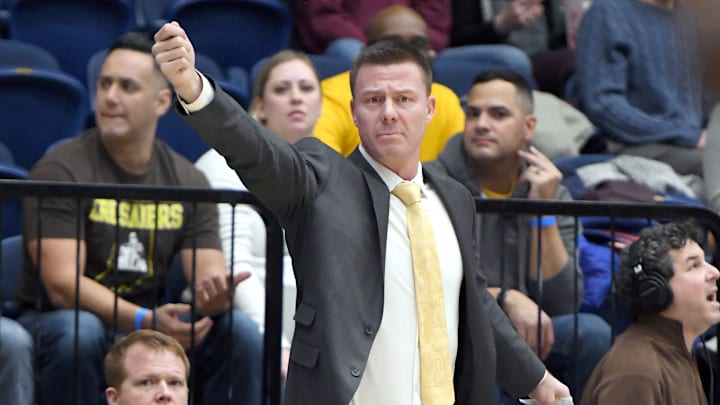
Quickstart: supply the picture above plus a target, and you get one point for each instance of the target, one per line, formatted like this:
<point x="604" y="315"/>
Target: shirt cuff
<point x="206" y="96"/>
<point x="543" y="379"/>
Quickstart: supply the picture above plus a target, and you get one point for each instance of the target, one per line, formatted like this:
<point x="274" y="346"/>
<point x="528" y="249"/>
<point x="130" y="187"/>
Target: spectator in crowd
<point x="336" y="127"/>
<point x="710" y="162"/>
<point x="17" y="384"/>
<point x="526" y="24"/>
<point x="357" y="329"/>
<point x="639" y="80"/>
<point x="491" y="158"/>
<point x="112" y="298"/>
<point x="342" y="28"/>
<point x="287" y="100"/>
<point x="671" y="291"/>
<point x="339" y="27"/>
<point x="147" y="367"/>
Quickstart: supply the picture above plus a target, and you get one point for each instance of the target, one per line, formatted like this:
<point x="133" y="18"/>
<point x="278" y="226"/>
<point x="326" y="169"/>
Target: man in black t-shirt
<point x="126" y="248"/>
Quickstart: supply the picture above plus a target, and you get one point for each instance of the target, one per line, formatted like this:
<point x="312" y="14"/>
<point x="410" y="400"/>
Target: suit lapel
<point x="380" y="197"/>
<point x="454" y="198"/>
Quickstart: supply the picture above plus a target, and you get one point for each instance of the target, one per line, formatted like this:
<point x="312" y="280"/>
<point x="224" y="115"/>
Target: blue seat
<point x="457" y="75"/>
<point x="235" y="33"/>
<point x="23" y="54"/>
<point x="39" y="107"/>
<point x="11" y="267"/>
<point x="11" y="207"/>
<point x="150" y="14"/>
<point x="328" y="65"/>
<point x="72" y="30"/>
<point x="460" y="74"/>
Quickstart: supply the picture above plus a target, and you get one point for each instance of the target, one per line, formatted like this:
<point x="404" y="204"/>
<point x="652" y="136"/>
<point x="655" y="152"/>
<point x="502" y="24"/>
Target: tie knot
<point x="407" y="192"/>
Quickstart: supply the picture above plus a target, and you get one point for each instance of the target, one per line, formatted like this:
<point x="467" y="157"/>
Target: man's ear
<point x="431" y="104"/>
<point x="111" y="394"/>
<point x="352" y="111"/>
<point x="163" y="102"/>
<point x="530" y="125"/>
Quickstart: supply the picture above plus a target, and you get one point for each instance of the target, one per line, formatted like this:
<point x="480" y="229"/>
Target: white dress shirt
<point x="392" y="374"/>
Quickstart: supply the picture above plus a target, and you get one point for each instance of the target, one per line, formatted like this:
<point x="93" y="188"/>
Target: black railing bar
<point x="273" y="308"/>
<point x="32" y="188"/>
<point x="593" y="208"/>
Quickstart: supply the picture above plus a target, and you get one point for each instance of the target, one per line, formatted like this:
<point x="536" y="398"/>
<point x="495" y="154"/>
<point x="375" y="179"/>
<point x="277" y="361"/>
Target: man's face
<point x="153" y="377"/>
<point x="130" y="95"/>
<point x="391" y="109"/>
<point x="694" y="287"/>
<point x="497" y="124"/>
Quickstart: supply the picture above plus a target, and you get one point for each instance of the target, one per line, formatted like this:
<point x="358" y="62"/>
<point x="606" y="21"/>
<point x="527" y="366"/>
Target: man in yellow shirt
<point x="336" y="127"/>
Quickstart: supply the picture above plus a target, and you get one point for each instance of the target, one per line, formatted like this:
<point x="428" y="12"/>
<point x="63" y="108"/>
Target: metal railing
<point x="271" y="359"/>
<point x="274" y="246"/>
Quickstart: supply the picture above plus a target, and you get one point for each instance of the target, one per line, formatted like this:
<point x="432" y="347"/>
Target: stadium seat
<point x="459" y="74"/>
<point x="23" y="54"/>
<point x="72" y="30"/>
<point x="328" y="65"/>
<point x="150" y="14"/>
<point x="11" y="207"/>
<point x="235" y="32"/>
<point x="10" y="272"/>
<point x="39" y="107"/>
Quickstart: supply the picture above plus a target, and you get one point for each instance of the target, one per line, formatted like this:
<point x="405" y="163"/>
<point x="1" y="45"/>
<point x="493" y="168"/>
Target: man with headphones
<point x="672" y="293"/>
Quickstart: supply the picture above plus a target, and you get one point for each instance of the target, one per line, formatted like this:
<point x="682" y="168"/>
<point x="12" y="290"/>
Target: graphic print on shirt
<point x="131" y="255"/>
<point x="137" y="222"/>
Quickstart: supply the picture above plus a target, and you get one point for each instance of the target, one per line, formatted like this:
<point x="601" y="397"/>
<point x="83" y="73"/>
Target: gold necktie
<point x="436" y="380"/>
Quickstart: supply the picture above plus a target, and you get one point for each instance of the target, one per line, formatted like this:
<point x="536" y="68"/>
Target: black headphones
<point x="652" y="289"/>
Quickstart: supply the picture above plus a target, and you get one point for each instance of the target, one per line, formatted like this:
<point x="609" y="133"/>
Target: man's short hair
<point x="391" y="51"/>
<point x="522" y="87"/>
<point x="134" y="40"/>
<point x="115" y="372"/>
<point x="139" y="41"/>
<point x="651" y="251"/>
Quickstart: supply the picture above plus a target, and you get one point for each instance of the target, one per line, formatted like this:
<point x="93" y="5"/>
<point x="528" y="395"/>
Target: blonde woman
<point x="287" y="100"/>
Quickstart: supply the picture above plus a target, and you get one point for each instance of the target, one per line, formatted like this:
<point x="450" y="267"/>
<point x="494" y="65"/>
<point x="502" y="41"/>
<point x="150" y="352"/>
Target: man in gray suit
<point x="356" y="335"/>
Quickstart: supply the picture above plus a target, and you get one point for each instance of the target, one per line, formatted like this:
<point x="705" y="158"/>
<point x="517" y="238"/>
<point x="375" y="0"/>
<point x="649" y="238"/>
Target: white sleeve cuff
<point x="544" y="377"/>
<point x="206" y="96"/>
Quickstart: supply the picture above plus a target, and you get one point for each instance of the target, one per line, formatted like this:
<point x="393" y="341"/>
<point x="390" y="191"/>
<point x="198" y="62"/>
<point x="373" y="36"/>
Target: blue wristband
<point x="139" y="315"/>
<point x="544" y="222"/>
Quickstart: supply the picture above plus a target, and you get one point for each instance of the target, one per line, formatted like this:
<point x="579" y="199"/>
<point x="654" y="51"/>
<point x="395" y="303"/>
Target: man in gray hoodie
<point x="491" y="157"/>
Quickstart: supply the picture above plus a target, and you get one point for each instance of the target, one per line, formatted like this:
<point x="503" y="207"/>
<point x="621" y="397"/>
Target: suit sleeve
<point x="519" y="370"/>
<point x="272" y="169"/>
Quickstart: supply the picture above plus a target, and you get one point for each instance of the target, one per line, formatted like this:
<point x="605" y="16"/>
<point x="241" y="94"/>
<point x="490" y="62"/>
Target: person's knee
<point x="246" y="333"/>
<point x="593" y="334"/>
<point x="15" y="339"/>
<point x="91" y="334"/>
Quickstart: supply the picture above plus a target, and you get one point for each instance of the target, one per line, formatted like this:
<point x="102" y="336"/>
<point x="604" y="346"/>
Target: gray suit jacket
<point x="335" y="213"/>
